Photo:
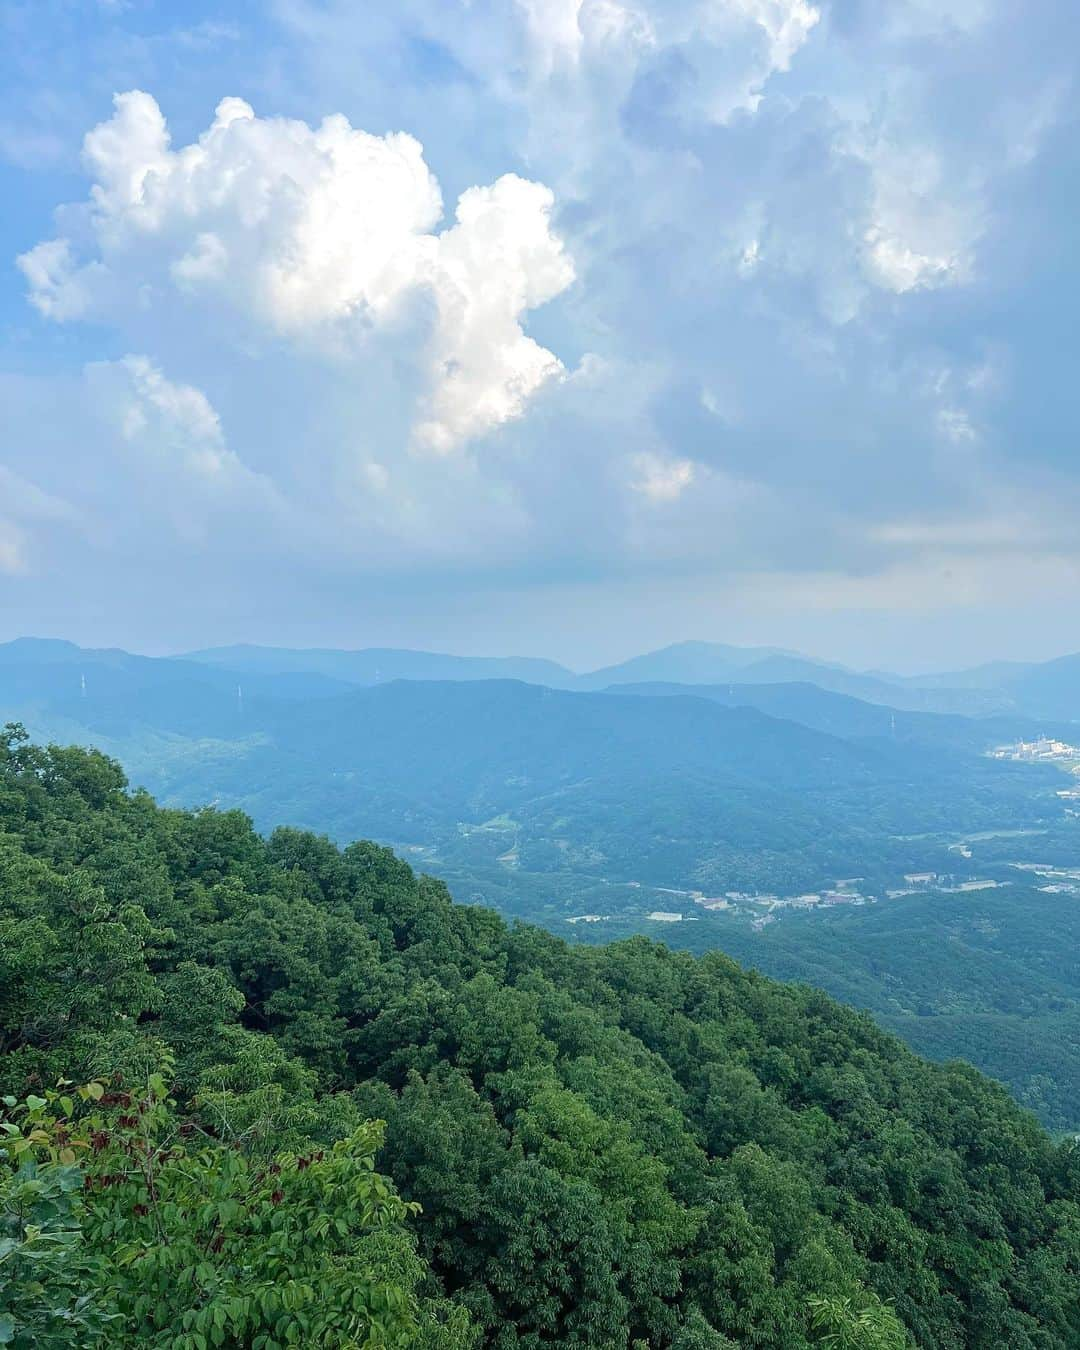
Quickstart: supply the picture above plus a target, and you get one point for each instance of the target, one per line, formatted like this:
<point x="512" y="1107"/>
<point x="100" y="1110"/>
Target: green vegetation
<point x="610" y="1147"/>
<point x="546" y="804"/>
<point x="512" y="788"/>
<point x="187" y="1232"/>
<point x="987" y="976"/>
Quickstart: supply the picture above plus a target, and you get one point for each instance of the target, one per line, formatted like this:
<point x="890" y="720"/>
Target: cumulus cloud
<point x="765" y="34"/>
<point x="499" y="260"/>
<point x="324" y="235"/>
<point x="793" y="226"/>
<point x="924" y="227"/>
<point x="732" y="47"/>
<point x="648" y="102"/>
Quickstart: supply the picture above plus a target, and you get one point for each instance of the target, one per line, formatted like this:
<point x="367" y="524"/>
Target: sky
<point x="542" y="327"/>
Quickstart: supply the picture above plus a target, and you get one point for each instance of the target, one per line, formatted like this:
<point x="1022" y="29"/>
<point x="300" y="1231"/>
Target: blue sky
<point x="563" y="327"/>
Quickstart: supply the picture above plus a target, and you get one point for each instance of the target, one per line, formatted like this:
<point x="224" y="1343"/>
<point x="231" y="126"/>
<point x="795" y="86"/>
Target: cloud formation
<point x="736" y="299"/>
<point x="733" y="46"/>
<point x="166" y="439"/>
<point x="325" y="235"/>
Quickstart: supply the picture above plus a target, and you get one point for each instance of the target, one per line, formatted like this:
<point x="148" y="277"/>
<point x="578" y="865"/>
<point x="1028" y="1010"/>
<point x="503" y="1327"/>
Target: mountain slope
<point x="605" y="1148"/>
<point x="47" y="671"/>
<point x="709" y="663"/>
<point x="988" y="976"/>
<point x="1051" y="689"/>
<point x="380" y="665"/>
<point x="857" y="720"/>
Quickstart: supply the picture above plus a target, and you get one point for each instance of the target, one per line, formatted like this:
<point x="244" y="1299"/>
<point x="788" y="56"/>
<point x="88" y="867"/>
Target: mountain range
<point x="1049" y="689"/>
<point x="513" y="788"/>
<point x="1045" y="690"/>
<point x="625" y="792"/>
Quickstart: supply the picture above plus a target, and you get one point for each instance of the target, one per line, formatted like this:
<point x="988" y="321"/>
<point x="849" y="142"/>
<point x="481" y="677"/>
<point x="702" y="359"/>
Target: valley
<point x="796" y="827"/>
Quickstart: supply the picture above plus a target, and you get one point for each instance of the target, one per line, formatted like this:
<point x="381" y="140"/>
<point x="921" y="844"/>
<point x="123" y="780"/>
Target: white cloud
<point x="60" y="288"/>
<point x="757" y="253"/>
<point x="786" y="24"/>
<point x="977" y="532"/>
<point x="563" y="33"/>
<point x="733" y="46"/>
<point x="170" y="444"/>
<point x="26" y="501"/>
<point x="498" y="260"/>
<point x="955" y="426"/>
<point x="555" y="30"/>
<point x="321" y="235"/>
<point x="924" y="227"/>
<point x="896" y="266"/>
<point x="26" y="511"/>
<point x="174" y="423"/>
<point x="12" y="555"/>
<point x="660" y="479"/>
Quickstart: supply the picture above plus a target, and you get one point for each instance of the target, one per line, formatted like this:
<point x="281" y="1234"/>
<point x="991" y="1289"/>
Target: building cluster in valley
<point x="1055" y="880"/>
<point x="1044" y="750"/>
<point x="763" y="907"/>
<point x="1048" y="750"/>
<point x="757" y="909"/>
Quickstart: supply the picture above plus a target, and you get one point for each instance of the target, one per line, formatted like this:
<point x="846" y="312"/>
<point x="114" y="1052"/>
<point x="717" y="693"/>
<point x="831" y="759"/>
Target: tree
<point x="849" y="1324"/>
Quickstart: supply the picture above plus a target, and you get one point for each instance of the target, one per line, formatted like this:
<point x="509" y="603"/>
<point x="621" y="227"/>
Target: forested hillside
<point x="611" y="1147"/>
<point x="988" y="976"/>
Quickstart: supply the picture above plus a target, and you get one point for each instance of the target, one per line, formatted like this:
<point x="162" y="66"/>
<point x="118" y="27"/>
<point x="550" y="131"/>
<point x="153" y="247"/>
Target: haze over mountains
<point x="1046" y="689"/>
<point x="1049" y="689"/>
<point x="651" y="788"/>
<point x="757" y="782"/>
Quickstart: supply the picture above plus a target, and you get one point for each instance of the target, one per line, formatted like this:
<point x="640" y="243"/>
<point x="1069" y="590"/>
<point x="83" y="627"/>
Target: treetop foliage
<point x="323" y="1105"/>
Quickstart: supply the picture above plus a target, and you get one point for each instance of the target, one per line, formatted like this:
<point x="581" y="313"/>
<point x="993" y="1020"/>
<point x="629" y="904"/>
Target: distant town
<point x="1045" y="749"/>
<point x="762" y="908"/>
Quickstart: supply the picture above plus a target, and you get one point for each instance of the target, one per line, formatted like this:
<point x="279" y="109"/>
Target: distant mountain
<point x="526" y="793"/>
<point x="857" y="720"/>
<point x="1051" y="689"/>
<point x="43" y="672"/>
<point x="992" y="675"/>
<point x="1045" y="692"/>
<point x="1048" y="690"/>
<point x="711" y="663"/>
<point x="57" y="652"/>
<point x="690" y="663"/>
<point x="379" y="665"/>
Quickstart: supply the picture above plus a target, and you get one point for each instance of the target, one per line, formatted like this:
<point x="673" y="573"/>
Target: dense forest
<point x="989" y="976"/>
<point x="269" y="1092"/>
